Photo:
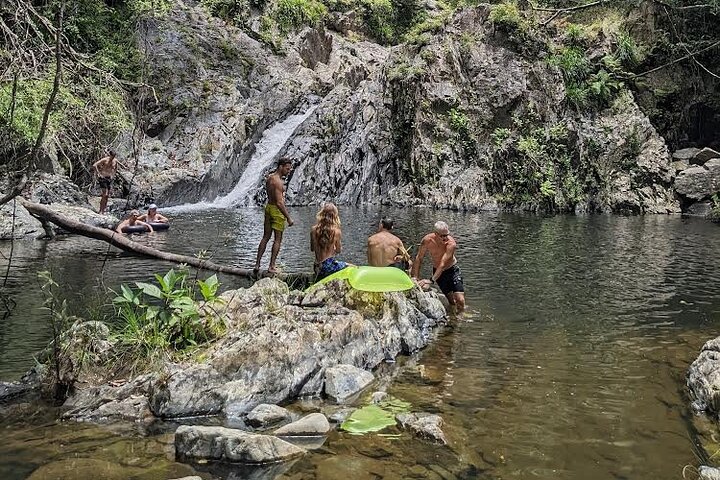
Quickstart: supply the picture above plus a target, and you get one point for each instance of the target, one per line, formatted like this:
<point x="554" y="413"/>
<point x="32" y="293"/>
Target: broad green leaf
<point x="149" y="289"/>
<point x="370" y="418"/>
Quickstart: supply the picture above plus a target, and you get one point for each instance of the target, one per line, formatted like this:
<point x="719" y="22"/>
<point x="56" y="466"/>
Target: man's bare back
<point x="382" y="248"/>
<point x="106" y="167"/>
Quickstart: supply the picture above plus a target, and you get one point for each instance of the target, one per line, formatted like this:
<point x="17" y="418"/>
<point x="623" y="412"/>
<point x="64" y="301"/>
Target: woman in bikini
<point x="325" y="241"/>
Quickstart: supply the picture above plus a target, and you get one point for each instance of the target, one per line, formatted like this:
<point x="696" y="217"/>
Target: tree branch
<point x="684" y="57"/>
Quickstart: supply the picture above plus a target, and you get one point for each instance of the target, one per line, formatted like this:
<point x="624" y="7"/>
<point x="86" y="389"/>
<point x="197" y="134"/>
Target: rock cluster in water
<point x="275" y="350"/>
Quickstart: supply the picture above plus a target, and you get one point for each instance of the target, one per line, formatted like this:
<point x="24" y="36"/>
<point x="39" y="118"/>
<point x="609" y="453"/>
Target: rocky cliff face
<point x="461" y="119"/>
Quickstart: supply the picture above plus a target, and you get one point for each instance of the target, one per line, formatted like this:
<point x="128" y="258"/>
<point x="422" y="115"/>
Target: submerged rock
<point x="343" y="381"/>
<point x="708" y="473"/>
<point x="424" y="425"/>
<point x="308" y="426"/>
<point x="226" y="444"/>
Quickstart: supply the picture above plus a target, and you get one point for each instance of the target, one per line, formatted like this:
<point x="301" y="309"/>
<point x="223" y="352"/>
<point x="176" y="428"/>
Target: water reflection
<point x="569" y="365"/>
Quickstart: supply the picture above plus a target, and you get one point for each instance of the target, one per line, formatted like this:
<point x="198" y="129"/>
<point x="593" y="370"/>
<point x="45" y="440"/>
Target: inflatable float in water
<point x="372" y="279"/>
<point x="142" y="228"/>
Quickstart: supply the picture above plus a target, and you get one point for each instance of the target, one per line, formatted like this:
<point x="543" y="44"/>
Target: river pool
<point x="569" y="363"/>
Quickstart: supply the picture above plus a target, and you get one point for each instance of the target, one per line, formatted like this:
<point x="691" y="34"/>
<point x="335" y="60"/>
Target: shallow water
<point x="569" y="364"/>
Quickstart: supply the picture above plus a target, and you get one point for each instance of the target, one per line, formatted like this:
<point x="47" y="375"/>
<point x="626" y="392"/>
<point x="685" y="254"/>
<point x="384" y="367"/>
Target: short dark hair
<point x="387" y="223"/>
<point x="285" y="161"/>
<point x="111" y="152"/>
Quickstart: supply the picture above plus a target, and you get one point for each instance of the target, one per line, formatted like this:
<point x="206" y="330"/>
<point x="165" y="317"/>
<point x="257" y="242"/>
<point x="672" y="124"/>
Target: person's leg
<point x="275" y="249"/>
<point x="458" y="301"/>
<point x="104" y="194"/>
<point x="267" y="232"/>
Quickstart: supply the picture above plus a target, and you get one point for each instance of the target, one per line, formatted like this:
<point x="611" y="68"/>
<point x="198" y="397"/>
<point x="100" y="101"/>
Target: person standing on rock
<point x="326" y="241"/>
<point x="275" y="213"/>
<point x="105" y="169"/>
<point x="446" y="273"/>
<point x="384" y="249"/>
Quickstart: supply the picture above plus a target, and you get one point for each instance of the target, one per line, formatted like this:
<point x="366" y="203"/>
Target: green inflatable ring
<point x="372" y="279"/>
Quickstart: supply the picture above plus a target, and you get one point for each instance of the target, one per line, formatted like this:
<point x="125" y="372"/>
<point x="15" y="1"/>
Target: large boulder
<point x="226" y="444"/>
<point x="275" y="351"/>
<point x="703" y="379"/>
<point x="702" y="156"/>
<point x="699" y="182"/>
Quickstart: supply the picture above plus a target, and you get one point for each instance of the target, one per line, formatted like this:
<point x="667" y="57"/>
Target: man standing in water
<point x="105" y="169"/>
<point x="445" y="270"/>
<point x="275" y="213"/>
<point x="384" y="249"/>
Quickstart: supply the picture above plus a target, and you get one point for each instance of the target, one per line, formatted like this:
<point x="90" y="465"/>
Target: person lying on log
<point x="132" y="221"/>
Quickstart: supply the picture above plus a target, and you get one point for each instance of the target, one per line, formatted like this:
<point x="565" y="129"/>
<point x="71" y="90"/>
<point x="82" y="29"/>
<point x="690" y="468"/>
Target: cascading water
<point x="272" y="141"/>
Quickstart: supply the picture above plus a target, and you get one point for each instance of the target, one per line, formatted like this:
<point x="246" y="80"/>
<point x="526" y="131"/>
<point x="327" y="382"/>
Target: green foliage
<point x="378" y="15"/>
<point x="234" y="11"/>
<point x="576" y="34"/>
<point x="603" y="86"/>
<point x="507" y="16"/>
<point x="161" y="319"/>
<point x="460" y="124"/>
<point x="499" y="136"/>
<point x="627" y="52"/>
<point x="293" y="14"/>
<point x="573" y="63"/>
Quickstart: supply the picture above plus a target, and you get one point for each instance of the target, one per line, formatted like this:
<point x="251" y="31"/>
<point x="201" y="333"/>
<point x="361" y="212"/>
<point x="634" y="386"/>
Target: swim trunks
<point x="450" y="280"/>
<point x="277" y="219"/>
<point x="328" y="267"/>
<point x="105" y="182"/>
<point x="401" y="264"/>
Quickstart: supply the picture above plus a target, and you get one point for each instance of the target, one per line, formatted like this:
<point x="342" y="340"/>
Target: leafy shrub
<point x="627" y="52"/>
<point x="507" y="16"/>
<point x="166" y="318"/>
<point x="499" y="136"/>
<point x="576" y="34"/>
<point x="573" y="63"/>
<point x="378" y="15"/>
<point x="293" y="14"/>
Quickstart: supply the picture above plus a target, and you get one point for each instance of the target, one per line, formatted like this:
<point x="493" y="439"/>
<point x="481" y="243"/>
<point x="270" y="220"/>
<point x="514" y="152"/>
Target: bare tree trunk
<point x="122" y="242"/>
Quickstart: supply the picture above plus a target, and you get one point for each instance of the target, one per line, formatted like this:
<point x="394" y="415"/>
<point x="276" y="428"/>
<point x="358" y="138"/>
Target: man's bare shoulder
<point x="426" y="239"/>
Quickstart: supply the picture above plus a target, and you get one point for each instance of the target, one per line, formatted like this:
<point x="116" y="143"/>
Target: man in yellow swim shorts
<point x="275" y="213"/>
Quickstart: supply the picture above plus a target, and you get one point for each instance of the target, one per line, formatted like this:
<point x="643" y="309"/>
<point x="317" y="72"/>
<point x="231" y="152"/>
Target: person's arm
<point x="142" y="217"/>
<point x="161" y="218"/>
<point x="338" y="241"/>
<point x="150" y="229"/>
<point x="95" y="166"/>
<point x="120" y="226"/>
<point x="445" y="261"/>
<point x="419" y="259"/>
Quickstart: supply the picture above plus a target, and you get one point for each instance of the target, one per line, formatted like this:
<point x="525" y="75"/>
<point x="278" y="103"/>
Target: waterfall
<point x="266" y="149"/>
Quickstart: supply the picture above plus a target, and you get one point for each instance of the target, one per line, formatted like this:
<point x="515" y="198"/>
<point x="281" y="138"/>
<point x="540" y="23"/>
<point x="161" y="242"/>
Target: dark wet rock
<point x="702" y="156"/>
<point x="308" y="426"/>
<point x="265" y="415"/>
<point x="337" y="414"/>
<point x="703" y="379"/>
<point x="53" y="189"/>
<point x="275" y="351"/>
<point x="685" y="154"/>
<point x="700" y="208"/>
<point x="344" y="381"/>
<point x="72" y="469"/>
<point x="708" y="473"/>
<point x="12" y="390"/>
<point x="699" y="182"/>
<point x="225" y="444"/>
<point x="423" y="425"/>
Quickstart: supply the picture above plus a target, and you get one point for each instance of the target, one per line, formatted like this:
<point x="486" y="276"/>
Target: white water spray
<point x="272" y="141"/>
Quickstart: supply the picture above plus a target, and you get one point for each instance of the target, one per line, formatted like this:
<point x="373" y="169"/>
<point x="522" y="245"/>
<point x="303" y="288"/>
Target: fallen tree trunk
<point x="122" y="242"/>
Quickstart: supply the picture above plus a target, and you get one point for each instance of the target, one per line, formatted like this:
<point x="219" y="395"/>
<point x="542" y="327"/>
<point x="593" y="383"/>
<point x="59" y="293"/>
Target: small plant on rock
<point x="159" y="320"/>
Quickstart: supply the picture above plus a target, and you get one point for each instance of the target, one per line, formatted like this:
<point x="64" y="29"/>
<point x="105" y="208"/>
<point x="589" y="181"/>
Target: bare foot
<point x="272" y="270"/>
<point x="256" y="271"/>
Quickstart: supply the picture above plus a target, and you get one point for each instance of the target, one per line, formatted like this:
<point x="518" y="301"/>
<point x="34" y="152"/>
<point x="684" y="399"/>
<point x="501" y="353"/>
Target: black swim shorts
<point x="105" y="182"/>
<point x="451" y="280"/>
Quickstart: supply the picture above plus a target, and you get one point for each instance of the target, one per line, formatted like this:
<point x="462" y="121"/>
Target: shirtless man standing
<point x="385" y="249"/>
<point x="105" y="169"/>
<point x="445" y="270"/>
<point x="275" y="213"/>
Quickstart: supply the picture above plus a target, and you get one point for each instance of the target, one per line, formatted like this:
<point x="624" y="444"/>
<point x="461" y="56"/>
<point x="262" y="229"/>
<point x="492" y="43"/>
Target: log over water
<point x="120" y="241"/>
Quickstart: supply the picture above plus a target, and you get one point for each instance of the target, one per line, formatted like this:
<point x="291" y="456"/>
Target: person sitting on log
<point x="153" y="216"/>
<point x="132" y="221"/>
